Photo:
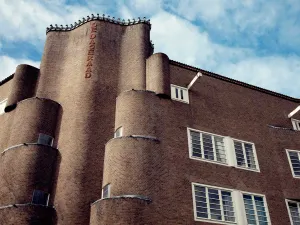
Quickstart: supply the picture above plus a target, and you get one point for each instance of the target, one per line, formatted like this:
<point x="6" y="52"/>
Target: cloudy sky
<point x="255" y="41"/>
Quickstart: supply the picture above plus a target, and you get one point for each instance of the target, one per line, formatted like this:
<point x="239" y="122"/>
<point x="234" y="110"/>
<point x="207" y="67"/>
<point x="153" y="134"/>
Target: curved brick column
<point x="130" y="164"/>
<point x="34" y="116"/>
<point x="158" y="74"/>
<point x="26" y="168"/>
<point x="121" y="210"/>
<point x="83" y="70"/>
<point x="27" y="214"/>
<point x="23" y="85"/>
<point x="135" y="49"/>
<point x="139" y="113"/>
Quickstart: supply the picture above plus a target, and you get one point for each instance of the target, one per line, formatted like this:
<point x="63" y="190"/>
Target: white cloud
<point x="21" y="21"/>
<point x="8" y="65"/>
<point x="179" y="36"/>
<point x="185" y="42"/>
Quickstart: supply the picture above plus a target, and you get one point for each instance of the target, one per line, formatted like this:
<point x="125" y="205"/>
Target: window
<point x="2" y="106"/>
<point x="222" y="150"/>
<point x="207" y="146"/>
<point x="244" y="153"/>
<point x="255" y="209"/>
<point x="40" y="198"/>
<point x="45" y="139"/>
<point x="179" y="93"/>
<point x="294" y="211"/>
<point x="106" y="191"/>
<point x="118" y="132"/>
<point x="296" y="124"/>
<point x="229" y="206"/>
<point x="294" y="161"/>
<point x="213" y="204"/>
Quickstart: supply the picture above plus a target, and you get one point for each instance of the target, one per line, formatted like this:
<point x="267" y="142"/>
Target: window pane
<point x="208" y="146"/>
<point x="250" y="156"/>
<point x="45" y="139"/>
<point x="239" y="153"/>
<point x="220" y="149"/>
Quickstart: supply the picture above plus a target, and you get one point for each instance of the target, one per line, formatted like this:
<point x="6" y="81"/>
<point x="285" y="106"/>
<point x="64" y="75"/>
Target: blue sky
<point x="254" y="41"/>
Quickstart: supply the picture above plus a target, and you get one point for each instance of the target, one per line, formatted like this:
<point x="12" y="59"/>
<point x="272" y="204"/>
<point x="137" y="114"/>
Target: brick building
<point x="106" y="132"/>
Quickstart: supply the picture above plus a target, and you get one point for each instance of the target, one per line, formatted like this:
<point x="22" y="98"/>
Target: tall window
<point x="220" y="149"/>
<point x="179" y="93"/>
<point x="2" y="106"/>
<point x="255" y="208"/>
<point x="118" y="132"/>
<point x="207" y="146"/>
<point x="221" y="205"/>
<point x="294" y="160"/>
<point x="106" y="191"/>
<point x="213" y="204"/>
<point x="245" y="155"/>
<point x="296" y="124"/>
<point x="294" y="211"/>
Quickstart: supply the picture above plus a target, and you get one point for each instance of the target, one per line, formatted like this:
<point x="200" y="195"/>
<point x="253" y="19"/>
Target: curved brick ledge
<point x="99" y="18"/>
<point x="150" y="138"/>
<point x="139" y="197"/>
<point x="26" y="144"/>
<point x="24" y="205"/>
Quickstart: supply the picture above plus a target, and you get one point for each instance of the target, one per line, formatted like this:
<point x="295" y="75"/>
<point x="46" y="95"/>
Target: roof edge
<point x="7" y="79"/>
<point x="230" y="80"/>
<point x="98" y="18"/>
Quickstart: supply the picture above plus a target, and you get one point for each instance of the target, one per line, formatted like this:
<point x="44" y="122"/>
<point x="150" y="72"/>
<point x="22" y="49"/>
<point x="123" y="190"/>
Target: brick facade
<point x="148" y="168"/>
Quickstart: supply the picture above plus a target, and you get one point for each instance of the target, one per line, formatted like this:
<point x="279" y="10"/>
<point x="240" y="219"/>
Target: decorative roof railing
<point x="100" y="18"/>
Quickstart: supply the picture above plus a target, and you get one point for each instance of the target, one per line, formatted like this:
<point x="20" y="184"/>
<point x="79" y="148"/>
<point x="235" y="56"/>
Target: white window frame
<point x="296" y="124"/>
<point x="245" y="157"/>
<point x="290" y="162"/>
<point x="229" y="151"/>
<point x="108" y="191"/>
<point x="238" y="204"/>
<point x="2" y="102"/>
<point x="121" y="132"/>
<point x="265" y="204"/>
<point x="288" y="208"/>
<point x="180" y="88"/>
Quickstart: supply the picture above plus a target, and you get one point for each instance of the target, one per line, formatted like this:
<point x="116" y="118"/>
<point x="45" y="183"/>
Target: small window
<point x="118" y="132"/>
<point x="245" y="155"/>
<point x="179" y="93"/>
<point x="213" y="204"/>
<point x="256" y="210"/>
<point x="296" y="124"/>
<point x="106" y="191"/>
<point x="45" y="139"/>
<point x="207" y="146"/>
<point x="40" y="198"/>
<point x="2" y="106"/>
<point x="294" y="161"/>
<point x="294" y="211"/>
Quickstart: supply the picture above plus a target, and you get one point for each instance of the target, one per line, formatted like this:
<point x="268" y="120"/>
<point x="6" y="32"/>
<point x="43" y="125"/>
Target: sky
<point x="254" y="41"/>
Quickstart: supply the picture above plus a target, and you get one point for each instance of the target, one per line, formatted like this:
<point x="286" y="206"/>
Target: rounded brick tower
<point x="96" y="78"/>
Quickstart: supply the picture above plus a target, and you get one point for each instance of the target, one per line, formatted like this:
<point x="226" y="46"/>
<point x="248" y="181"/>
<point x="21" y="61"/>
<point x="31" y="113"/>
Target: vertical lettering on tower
<point x="90" y="57"/>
